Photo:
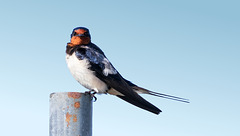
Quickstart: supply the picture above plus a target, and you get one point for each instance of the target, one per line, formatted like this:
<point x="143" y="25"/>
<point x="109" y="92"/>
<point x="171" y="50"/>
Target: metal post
<point x="70" y="114"/>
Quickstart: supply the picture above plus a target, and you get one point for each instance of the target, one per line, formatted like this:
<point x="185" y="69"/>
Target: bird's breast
<point x="86" y="77"/>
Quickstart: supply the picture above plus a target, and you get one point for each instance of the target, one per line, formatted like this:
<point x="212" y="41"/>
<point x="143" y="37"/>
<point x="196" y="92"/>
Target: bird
<point x="93" y="70"/>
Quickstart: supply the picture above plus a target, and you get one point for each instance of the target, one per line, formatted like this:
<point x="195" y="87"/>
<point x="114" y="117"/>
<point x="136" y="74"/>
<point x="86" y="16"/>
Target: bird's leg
<point x="92" y="93"/>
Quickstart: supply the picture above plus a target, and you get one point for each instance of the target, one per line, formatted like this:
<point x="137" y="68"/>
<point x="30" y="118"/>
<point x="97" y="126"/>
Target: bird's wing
<point x="107" y="73"/>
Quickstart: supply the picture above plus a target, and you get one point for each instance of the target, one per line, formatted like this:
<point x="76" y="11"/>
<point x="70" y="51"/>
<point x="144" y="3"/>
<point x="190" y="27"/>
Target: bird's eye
<point x="73" y="34"/>
<point x="86" y="34"/>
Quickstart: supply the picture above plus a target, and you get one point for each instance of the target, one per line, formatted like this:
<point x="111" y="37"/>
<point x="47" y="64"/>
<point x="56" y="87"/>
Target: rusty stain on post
<point x="74" y="95"/>
<point x="70" y="114"/>
<point x="68" y="118"/>
<point x="77" y="104"/>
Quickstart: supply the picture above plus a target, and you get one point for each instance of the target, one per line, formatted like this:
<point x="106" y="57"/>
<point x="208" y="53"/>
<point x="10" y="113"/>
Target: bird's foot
<point x="92" y="93"/>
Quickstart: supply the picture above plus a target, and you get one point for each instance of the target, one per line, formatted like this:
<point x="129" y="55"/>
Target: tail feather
<point x="145" y="91"/>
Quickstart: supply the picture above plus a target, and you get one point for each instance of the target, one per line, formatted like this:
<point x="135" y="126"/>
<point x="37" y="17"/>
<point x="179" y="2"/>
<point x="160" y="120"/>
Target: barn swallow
<point x="91" y="68"/>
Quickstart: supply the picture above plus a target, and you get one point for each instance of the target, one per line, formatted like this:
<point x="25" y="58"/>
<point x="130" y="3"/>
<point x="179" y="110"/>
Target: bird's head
<point x="79" y="36"/>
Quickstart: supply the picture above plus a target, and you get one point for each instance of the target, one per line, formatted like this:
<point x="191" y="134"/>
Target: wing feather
<point x="105" y="71"/>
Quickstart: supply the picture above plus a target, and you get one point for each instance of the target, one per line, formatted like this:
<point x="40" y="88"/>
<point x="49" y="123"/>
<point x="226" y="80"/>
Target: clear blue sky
<point x="185" y="48"/>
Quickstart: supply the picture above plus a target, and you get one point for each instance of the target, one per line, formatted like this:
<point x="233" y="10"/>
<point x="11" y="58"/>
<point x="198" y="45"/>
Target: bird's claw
<point x="92" y="94"/>
<point x="95" y="98"/>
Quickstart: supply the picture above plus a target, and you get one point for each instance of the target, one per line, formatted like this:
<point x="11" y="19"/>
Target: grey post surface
<point x="70" y="114"/>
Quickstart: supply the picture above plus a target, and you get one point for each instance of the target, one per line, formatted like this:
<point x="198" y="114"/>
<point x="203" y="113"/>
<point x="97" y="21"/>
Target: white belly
<point x="79" y="70"/>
